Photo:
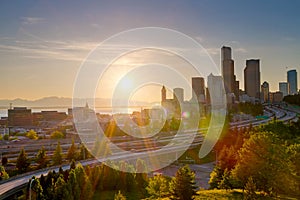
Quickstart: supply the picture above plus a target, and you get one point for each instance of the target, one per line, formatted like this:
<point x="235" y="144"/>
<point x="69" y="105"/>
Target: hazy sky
<point x="43" y="43"/>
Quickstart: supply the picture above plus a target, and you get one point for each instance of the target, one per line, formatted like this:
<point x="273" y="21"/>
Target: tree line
<point x="81" y="183"/>
<point x="292" y="99"/>
<point x="264" y="159"/>
<point x="42" y="160"/>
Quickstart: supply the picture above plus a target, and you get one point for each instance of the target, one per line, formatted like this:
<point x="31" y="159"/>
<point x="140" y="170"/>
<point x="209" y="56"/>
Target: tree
<point x="158" y="187"/>
<point x="84" y="183"/>
<point x="250" y="189"/>
<point x="3" y="174"/>
<point x="227" y="158"/>
<point x="119" y="196"/>
<point x="4" y="160"/>
<point x="57" y="135"/>
<point x="32" y="135"/>
<point x="215" y="177"/>
<point x="84" y="153"/>
<point x="141" y="176"/>
<point x="60" y="189"/>
<point x="183" y="185"/>
<point x="225" y="182"/>
<point x="37" y="189"/>
<point x="22" y="162"/>
<point x="263" y="158"/>
<point x="57" y="156"/>
<point x="41" y="158"/>
<point x="72" y="152"/>
<point x="73" y="186"/>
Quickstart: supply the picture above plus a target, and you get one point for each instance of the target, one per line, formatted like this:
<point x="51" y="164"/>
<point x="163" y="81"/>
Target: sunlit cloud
<point x="234" y="42"/>
<point x="213" y="51"/>
<point x="32" y="20"/>
<point x="54" y="50"/>
<point x="241" y="50"/>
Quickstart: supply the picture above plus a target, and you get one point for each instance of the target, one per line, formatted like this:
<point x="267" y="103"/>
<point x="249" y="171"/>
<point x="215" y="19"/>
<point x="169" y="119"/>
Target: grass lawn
<point x="229" y="194"/>
<point x="202" y="194"/>
<point x="109" y="195"/>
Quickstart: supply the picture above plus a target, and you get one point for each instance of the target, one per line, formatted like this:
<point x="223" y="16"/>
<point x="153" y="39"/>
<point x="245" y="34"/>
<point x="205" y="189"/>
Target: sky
<point x="44" y="43"/>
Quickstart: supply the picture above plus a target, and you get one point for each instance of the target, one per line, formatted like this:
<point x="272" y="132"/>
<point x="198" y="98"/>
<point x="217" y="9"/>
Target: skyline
<point x="42" y="44"/>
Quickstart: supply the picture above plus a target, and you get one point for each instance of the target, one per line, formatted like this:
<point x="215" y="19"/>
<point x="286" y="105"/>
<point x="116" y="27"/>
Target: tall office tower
<point x="236" y="88"/>
<point x="227" y="69"/>
<point x="198" y="88"/>
<point x="252" y="78"/>
<point x="265" y="92"/>
<point x="178" y="94"/>
<point x="216" y="90"/>
<point x="207" y="96"/>
<point x="292" y="80"/>
<point x="163" y="94"/>
<point x="284" y="88"/>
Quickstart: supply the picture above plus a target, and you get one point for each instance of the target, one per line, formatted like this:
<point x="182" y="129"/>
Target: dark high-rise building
<point x="265" y="92"/>
<point x="19" y="117"/>
<point x="236" y="89"/>
<point x="292" y="80"/>
<point x="227" y="69"/>
<point x="198" y="88"/>
<point x="163" y="94"/>
<point x="252" y="78"/>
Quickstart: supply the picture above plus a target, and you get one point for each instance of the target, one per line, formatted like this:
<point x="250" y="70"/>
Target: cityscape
<point x="139" y="102"/>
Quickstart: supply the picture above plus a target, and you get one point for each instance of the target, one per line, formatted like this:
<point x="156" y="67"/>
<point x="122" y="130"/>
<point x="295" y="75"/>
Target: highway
<point x="181" y="143"/>
<point x="280" y="114"/>
<point x="9" y="187"/>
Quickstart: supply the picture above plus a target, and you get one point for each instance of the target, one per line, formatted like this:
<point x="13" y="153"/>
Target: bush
<point x="32" y="135"/>
<point x="3" y="174"/>
<point x="57" y="135"/>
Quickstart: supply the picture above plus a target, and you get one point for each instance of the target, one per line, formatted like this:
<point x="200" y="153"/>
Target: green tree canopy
<point x="22" y="162"/>
<point x="57" y="135"/>
<point x="57" y="156"/>
<point x="183" y="185"/>
<point x="32" y="135"/>
<point x="41" y="158"/>
<point x="119" y="196"/>
<point x="158" y="187"/>
<point x="263" y="158"/>
<point x="72" y="152"/>
<point x="3" y="174"/>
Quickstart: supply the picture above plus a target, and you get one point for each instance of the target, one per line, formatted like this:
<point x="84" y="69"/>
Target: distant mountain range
<point x="60" y="102"/>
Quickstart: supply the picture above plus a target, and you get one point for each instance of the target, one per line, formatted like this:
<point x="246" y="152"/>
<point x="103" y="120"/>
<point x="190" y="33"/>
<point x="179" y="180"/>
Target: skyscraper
<point x="252" y="78"/>
<point x="178" y="93"/>
<point x="216" y="90"/>
<point x="163" y="94"/>
<point x="198" y="88"/>
<point x="236" y="89"/>
<point x="284" y="88"/>
<point x="265" y="92"/>
<point x="292" y="80"/>
<point x="227" y="69"/>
